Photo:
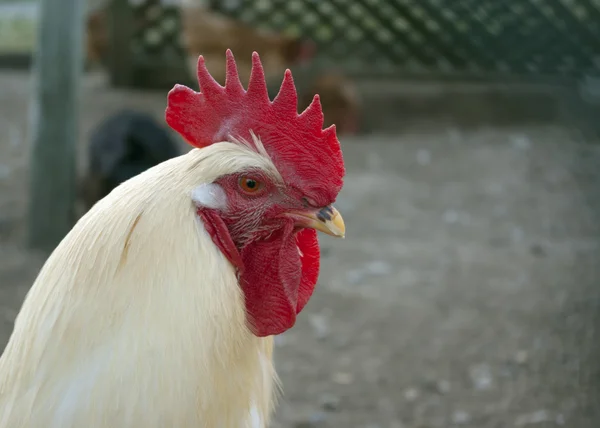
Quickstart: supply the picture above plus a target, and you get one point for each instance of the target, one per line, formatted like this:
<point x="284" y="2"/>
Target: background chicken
<point x="339" y="98"/>
<point x="124" y="145"/>
<point x="157" y="308"/>
<point x="208" y="34"/>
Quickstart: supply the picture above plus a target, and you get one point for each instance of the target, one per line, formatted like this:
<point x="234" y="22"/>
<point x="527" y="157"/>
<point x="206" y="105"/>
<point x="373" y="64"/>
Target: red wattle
<point x="307" y="242"/>
<point x="278" y="281"/>
<point x="277" y="275"/>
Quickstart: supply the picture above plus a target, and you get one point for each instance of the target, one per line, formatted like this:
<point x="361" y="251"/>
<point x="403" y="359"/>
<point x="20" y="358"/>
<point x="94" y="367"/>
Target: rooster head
<point x="264" y="219"/>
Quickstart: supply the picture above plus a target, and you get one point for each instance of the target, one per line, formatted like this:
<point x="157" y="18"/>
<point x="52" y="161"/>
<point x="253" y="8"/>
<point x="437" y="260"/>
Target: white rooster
<point x="158" y="308"/>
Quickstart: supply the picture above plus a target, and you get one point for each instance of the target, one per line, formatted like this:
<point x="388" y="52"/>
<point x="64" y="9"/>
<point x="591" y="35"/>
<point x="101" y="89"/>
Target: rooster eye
<point x="250" y="185"/>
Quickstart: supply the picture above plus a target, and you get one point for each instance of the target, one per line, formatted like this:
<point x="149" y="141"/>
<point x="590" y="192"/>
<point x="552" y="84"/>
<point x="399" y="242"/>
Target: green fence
<point x="518" y="37"/>
<point x="554" y="38"/>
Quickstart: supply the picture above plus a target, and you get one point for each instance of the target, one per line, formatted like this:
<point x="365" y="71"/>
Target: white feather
<point x="255" y="419"/>
<point x="72" y="392"/>
<point x="264" y="377"/>
<point x="137" y="318"/>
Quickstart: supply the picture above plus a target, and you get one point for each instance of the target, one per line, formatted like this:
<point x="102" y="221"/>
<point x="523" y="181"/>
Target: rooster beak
<point x="327" y="220"/>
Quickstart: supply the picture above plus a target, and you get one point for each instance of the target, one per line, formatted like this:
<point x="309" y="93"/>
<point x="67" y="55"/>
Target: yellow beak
<point x="327" y="220"/>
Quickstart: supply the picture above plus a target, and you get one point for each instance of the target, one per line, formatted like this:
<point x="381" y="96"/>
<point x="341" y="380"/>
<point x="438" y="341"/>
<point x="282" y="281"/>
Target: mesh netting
<point x="555" y="37"/>
<point x="550" y="37"/>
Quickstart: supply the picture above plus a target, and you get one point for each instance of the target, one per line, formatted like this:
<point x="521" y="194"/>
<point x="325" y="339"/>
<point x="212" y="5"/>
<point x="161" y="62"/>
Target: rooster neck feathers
<point x="138" y="294"/>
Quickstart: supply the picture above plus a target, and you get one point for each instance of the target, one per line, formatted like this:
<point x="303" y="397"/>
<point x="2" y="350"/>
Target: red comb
<point x="297" y="143"/>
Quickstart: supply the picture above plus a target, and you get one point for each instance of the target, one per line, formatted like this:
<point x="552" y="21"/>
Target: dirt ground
<point x="466" y="294"/>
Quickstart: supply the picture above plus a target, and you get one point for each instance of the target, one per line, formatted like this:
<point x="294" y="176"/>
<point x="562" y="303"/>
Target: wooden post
<point x="58" y="63"/>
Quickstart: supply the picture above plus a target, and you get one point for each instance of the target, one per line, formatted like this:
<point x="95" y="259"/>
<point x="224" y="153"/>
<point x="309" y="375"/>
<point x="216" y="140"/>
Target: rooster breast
<point x="137" y="320"/>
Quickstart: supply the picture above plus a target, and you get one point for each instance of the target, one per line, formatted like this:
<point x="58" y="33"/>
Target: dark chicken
<point x="123" y="146"/>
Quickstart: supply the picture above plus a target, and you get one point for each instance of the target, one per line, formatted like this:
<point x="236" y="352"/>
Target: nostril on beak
<point x="325" y="214"/>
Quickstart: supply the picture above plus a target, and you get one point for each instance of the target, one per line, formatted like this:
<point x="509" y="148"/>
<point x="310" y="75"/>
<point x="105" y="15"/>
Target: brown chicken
<point x="208" y="34"/>
<point x="339" y="99"/>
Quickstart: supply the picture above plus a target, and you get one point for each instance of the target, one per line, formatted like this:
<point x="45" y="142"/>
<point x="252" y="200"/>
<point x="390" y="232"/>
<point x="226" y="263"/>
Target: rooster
<point x="159" y="306"/>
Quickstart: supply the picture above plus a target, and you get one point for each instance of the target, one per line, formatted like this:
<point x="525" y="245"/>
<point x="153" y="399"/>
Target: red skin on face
<point x="277" y="263"/>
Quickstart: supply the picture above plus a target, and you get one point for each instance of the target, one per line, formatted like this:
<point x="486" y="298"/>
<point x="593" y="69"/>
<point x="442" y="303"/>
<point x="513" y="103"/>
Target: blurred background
<point x="467" y="291"/>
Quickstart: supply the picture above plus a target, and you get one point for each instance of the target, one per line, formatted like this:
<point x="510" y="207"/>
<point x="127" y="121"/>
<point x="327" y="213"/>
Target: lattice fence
<point x="508" y="37"/>
<point x="553" y="37"/>
<point x="157" y="30"/>
<point x="144" y="46"/>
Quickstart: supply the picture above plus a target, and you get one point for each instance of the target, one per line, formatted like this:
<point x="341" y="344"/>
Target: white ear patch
<point x="210" y="195"/>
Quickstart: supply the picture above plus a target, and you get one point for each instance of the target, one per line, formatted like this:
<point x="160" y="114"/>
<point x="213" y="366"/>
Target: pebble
<point x="520" y="142"/>
<point x="355" y="276"/>
<point x="521" y="357"/>
<point x="456" y="217"/>
<point x="320" y="326"/>
<point x="378" y="267"/>
<point x="411" y="394"/>
<point x="534" y="418"/>
<point x="494" y="188"/>
<point x="516" y="234"/>
<point x="460" y="417"/>
<point x="329" y="402"/>
<point x="450" y="217"/>
<point x="343" y="378"/>
<point x="443" y="386"/>
<point x="372" y="268"/>
<point x="423" y="157"/>
<point x="481" y="377"/>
